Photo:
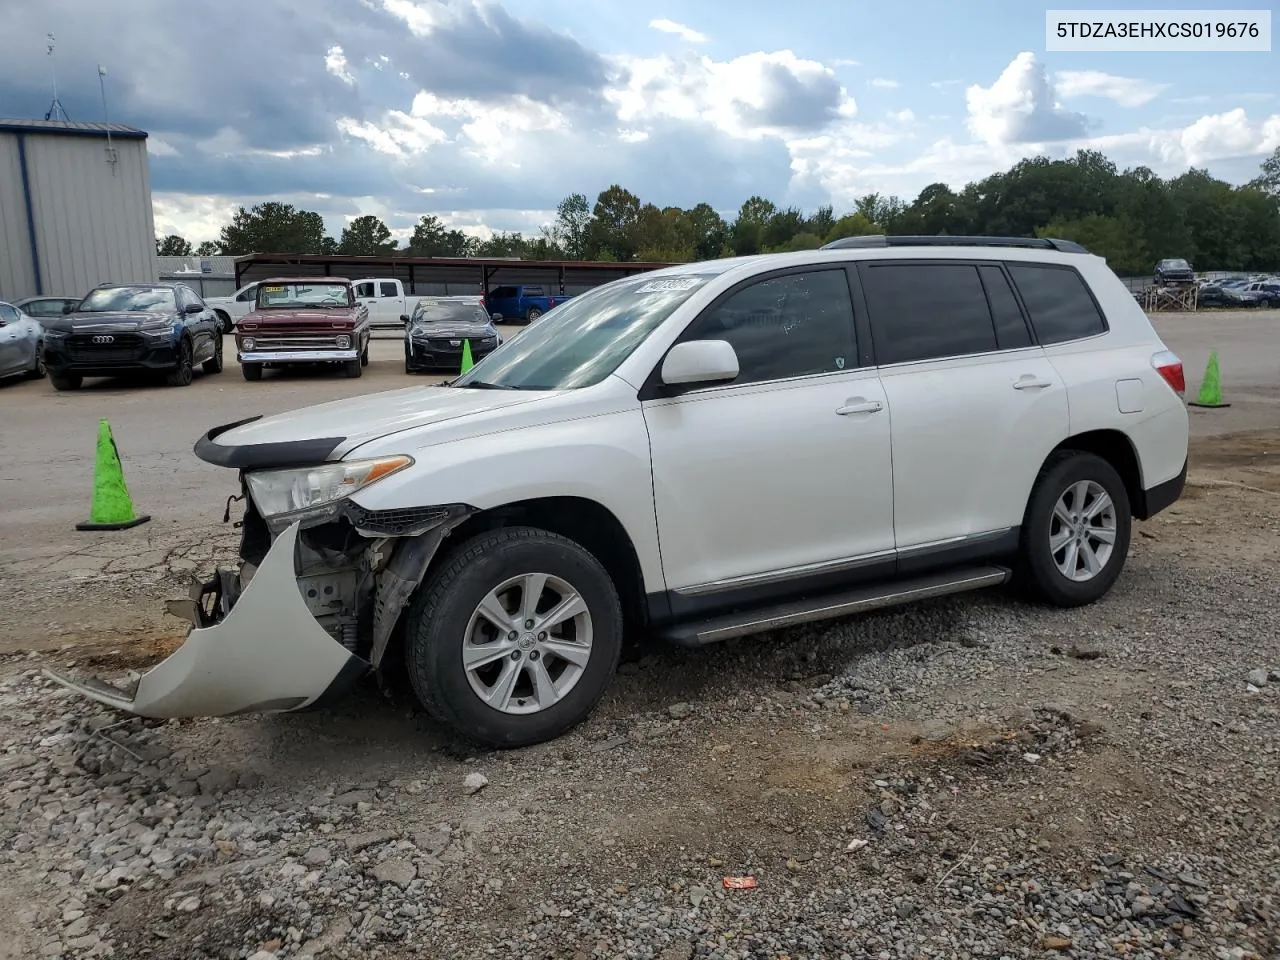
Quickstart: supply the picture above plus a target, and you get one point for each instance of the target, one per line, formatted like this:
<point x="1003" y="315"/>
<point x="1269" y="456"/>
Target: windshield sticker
<point x="276" y="289"/>
<point x="669" y="284"/>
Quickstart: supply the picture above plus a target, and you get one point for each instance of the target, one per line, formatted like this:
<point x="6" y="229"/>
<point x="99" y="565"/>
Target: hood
<point x="105" y="322"/>
<point x="312" y="434"/>
<point x="441" y="329"/>
<point x="303" y="317"/>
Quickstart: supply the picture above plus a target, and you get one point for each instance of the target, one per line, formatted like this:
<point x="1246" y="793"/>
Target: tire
<point x="181" y="375"/>
<point x="251" y="371"/>
<point x="66" y="381"/>
<point x="1064" y="477"/>
<point x="224" y="322"/>
<point x="353" y="368"/>
<point x="533" y="314"/>
<point x="214" y="363"/>
<point x="37" y="370"/>
<point x="364" y="355"/>
<point x="436" y="633"/>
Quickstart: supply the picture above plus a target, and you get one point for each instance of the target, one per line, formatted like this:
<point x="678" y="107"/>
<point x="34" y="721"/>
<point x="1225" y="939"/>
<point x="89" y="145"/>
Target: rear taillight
<point x="1169" y="366"/>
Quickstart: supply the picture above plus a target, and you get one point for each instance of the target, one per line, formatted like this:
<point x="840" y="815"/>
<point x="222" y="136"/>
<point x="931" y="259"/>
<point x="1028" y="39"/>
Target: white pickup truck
<point x="385" y="298"/>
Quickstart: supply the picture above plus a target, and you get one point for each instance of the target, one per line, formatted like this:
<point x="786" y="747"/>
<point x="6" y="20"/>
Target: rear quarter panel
<point x="1100" y="373"/>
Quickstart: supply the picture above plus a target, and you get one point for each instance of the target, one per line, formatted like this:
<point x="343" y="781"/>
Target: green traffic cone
<point x="467" y="362"/>
<point x="112" y="507"/>
<point x="1211" y="386"/>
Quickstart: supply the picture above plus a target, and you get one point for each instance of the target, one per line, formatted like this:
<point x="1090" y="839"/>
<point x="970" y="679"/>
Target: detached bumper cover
<point x="267" y="655"/>
<point x="297" y="356"/>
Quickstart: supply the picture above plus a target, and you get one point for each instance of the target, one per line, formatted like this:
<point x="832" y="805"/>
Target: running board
<point x="859" y="600"/>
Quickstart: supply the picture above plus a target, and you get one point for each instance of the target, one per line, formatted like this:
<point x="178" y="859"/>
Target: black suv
<point x="1174" y="271"/>
<point x="125" y="329"/>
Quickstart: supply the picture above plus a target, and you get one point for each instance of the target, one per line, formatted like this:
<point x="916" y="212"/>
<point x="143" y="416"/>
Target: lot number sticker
<point x="669" y="284"/>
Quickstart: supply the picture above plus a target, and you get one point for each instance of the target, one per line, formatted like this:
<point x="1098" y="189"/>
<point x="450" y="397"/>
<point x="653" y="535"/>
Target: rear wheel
<point x="1075" y="536"/>
<point x="251" y="371"/>
<point x="37" y="366"/>
<point x="214" y="363"/>
<point x="533" y="314"/>
<point x="66" y="381"/>
<point x="180" y="376"/>
<point x="513" y="640"/>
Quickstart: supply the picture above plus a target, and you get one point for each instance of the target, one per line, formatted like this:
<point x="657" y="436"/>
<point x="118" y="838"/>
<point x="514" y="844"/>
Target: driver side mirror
<point x="193" y="308"/>
<point x="495" y="317"/>
<point x="700" y="361"/>
<point x="404" y="318"/>
<point x="68" y="307"/>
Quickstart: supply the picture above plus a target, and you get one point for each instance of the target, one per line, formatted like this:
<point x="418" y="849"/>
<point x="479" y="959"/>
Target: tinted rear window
<point x="1011" y="329"/>
<point x="925" y="311"/>
<point x="1058" y="301"/>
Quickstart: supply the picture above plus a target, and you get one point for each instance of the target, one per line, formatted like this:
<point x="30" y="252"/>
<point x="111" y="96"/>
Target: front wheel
<point x="1075" y="535"/>
<point x="66" y="381"/>
<point x="513" y="640"/>
<point x="251" y="371"/>
<point x="37" y="370"/>
<point x="353" y="368"/>
<point x="364" y="355"/>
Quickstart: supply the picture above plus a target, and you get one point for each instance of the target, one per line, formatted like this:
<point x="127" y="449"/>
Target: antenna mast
<point x="55" y="108"/>
<point x="112" y="156"/>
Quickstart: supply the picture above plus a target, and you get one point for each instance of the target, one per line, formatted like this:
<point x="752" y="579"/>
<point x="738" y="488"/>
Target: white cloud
<point x="943" y="84"/>
<point x="159" y="147"/>
<point x="687" y="34"/>
<point x="1216" y="137"/>
<point x="196" y="218"/>
<point x="400" y="134"/>
<point x="228" y="142"/>
<point x="845" y="62"/>
<point x="752" y="96"/>
<point x="883" y="83"/>
<point x="1125" y="91"/>
<point x="902" y="116"/>
<point x="1021" y="107"/>
<point x="335" y="61"/>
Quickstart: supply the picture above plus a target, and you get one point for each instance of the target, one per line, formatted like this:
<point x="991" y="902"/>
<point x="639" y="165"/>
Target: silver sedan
<point x="20" y="343"/>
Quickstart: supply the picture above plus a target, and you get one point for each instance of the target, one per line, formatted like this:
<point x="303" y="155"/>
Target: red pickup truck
<point x="304" y="320"/>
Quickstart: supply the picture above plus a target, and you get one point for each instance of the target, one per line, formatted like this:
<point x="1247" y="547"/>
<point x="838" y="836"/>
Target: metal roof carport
<point x="440" y="276"/>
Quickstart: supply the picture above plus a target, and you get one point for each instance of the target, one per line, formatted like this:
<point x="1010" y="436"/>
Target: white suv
<point x="704" y="451"/>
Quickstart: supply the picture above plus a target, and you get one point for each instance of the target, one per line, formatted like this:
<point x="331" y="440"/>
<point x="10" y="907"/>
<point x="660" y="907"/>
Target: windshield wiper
<point x="482" y="385"/>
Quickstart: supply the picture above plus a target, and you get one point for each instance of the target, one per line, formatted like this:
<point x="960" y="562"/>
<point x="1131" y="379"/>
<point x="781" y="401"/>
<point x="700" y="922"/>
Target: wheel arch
<point x="1115" y="447"/>
<point x="586" y="522"/>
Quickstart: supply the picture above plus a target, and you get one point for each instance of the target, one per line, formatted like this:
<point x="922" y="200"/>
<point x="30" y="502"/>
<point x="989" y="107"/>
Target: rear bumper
<point x="263" y="653"/>
<point x="297" y="356"/>
<point x="1161" y="496"/>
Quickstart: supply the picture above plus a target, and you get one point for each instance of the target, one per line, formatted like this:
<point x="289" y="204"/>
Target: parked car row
<point x="1257" y="291"/>
<point x="388" y="303"/>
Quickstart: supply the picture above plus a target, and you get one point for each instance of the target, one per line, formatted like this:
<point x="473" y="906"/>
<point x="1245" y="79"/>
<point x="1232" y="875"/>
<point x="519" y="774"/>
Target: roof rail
<point x="880" y="240"/>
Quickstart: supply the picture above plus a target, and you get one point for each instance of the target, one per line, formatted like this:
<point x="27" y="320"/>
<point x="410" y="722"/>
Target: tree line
<point x="1133" y="218"/>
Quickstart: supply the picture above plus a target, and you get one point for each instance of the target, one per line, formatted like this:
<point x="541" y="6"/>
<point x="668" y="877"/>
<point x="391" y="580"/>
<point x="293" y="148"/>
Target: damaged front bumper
<point x="266" y="653"/>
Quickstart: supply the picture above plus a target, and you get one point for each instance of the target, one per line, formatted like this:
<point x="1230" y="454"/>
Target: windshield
<point x="1175" y="264"/>
<point x="275" y="296"/>
<point x="583" y="340"/>
<point x="434" y="311"/>
<point x="129" y="300"/>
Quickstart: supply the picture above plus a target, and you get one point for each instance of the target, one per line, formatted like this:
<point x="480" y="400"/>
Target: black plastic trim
<point x="1161" y="496"/>
<point x="669" y="608"/>
<point x="258" y="456"/>
<point x="352" y="672"/>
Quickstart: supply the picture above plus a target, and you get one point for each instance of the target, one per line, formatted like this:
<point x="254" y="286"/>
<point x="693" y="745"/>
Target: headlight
<point x="162" y="329"/>
<point x="343" y="342"/>
<point x="247" y="343"/>
<point x="55" y="334"/>
<point x="319" y="489"/>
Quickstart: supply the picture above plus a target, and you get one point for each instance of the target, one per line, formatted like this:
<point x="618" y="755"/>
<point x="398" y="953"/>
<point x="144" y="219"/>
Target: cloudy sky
<point x="488" y="113"/>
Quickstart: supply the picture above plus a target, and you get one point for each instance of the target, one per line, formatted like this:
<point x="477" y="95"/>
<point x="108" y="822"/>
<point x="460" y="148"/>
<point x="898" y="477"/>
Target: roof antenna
<point x="112" y="156"/>
<point x="55" y="108"/>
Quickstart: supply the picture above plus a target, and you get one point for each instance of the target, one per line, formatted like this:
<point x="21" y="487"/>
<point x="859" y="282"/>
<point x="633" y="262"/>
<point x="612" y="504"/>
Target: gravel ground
<point x="972" y="778"/>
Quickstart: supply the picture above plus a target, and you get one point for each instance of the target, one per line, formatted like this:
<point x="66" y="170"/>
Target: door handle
<point x="1030" y="382"/>
<point x="859" y="405"/>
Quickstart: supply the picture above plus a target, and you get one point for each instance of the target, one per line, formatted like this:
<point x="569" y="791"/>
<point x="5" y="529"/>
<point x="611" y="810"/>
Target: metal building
<point x="75" y="207"/>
